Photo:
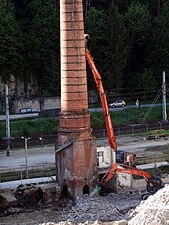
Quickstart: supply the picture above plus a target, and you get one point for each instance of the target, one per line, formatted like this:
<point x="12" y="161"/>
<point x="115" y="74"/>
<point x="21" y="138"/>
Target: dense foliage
<point x="129" y="43"/>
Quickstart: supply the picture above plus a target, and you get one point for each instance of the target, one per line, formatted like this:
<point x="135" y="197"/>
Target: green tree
<point x="24" y="18"/>
<point x="116" y="49"/>
<point x="100" y="4"/>
<point x="158" y="57"/>
<point x="45" y="39"/>
<point x="95" y="23"/>
<point x="138" y="22"/>
<point x="39" y="24"/>
<point x="154" y="6"/>
<point x="9" y="40"/>
<point x="143" y="81"/>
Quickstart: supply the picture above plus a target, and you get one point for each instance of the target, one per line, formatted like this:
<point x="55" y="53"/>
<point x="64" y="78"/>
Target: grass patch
<point x="133" y="115"/>
<point x="95" y="105"/>
<point x="44" y="126"/>
<point x="31" y="127"/>
<point x="125" y="116"/>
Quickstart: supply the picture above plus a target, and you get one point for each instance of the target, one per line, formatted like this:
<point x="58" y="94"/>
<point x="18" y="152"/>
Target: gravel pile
<point x="108" y="208"/>
<point x="154" y="211"/>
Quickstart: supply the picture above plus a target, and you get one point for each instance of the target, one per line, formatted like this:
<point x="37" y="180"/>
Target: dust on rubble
<point x="107" y="208"/>
<point x="99" y="210"/>
<point x="154" y="211"/>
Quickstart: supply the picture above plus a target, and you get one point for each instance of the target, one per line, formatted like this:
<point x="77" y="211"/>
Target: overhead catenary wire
<point x="153" y="103"/>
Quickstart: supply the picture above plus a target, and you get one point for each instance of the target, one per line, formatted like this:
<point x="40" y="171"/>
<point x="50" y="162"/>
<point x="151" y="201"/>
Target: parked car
<point x="118" y="103"/>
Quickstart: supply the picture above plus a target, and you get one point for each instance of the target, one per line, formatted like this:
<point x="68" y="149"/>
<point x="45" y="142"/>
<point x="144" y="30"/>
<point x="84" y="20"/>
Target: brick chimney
<point x="76" y="159"/>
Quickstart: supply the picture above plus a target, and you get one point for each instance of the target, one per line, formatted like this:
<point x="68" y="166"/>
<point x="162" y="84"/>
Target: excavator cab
<point x="123" y="157"/>
<point x="120" y="157"/>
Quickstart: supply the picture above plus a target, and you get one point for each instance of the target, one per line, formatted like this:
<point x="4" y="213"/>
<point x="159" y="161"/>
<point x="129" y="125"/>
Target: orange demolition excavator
<point x="153" y="183"/>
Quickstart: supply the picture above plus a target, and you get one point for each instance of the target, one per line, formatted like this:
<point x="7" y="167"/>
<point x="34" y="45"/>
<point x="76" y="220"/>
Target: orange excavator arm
<point x="124" y="169"/>
<point x="153" y="183"/>
<point x="134" y="171"/>
<point x="98" y="80"/>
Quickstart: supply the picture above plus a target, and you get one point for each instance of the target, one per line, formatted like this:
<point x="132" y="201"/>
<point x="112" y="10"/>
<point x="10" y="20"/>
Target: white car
<point x="118" y="103"/>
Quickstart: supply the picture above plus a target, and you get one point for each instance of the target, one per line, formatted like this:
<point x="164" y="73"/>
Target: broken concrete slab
<point x="121" y="222"/>
<point x="29" y="195"/>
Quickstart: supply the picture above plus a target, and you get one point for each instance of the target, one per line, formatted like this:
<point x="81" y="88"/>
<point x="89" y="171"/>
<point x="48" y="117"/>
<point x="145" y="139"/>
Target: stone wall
<point x="38" y="103"/>
<point x="17" y="88"/>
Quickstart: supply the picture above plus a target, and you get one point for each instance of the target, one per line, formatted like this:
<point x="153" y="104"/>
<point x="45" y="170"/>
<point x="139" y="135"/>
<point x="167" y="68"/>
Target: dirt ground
<point x="110" y="208"/>
<point x="106" y="208"/>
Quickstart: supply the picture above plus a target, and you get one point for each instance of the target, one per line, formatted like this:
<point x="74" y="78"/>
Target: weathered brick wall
<point x="76" y="166"/>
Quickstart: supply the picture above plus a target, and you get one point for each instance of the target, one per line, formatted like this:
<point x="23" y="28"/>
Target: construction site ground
<point x="45" y="154"/>
<point x="109" y="208"/>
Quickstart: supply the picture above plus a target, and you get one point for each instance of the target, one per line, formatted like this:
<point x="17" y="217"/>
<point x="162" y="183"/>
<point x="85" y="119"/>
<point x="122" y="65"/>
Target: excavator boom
<point x="124" y="169"/>
<point x="98" y="80"/>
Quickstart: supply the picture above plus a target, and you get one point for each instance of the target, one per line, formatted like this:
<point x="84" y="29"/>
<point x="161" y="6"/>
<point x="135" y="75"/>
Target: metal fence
<point x="19" y="173"/>
<point x="130" y="129"/>
<point x="48" y="169"/>
<point x="133" y="129"/>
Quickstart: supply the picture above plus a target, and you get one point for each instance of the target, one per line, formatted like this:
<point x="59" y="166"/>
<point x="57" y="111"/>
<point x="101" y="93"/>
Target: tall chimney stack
<point x="76" y="158"/>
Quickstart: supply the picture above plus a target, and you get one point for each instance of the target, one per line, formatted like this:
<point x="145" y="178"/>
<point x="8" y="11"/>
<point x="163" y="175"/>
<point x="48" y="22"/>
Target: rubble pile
<point x="126" y="208"/>
<point x="154" y="211"/>
<point x="97" y="222"/>
<point x="118" y="207"/>
<point x="111" y="207"/>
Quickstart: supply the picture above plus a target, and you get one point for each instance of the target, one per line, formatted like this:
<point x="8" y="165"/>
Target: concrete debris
<point x="28" y="195"/>
<point x="111" y="209"/>
<point x="97" y="222"/>
<point x="121" y="222"/>
<point x="49" y="223"/>
<point x="7" y="199"/>
<point x="108" y="209"/>
<point x="100" y="208"/>
<point x="12" y="210"/>
<point x="154" y="211"/>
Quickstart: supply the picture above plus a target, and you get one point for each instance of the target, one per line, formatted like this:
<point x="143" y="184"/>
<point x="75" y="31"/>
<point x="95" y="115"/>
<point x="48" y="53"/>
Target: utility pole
<point x="7" y="120"/>
<point x="26" y="155"/>
<point x="164" y="111"/>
